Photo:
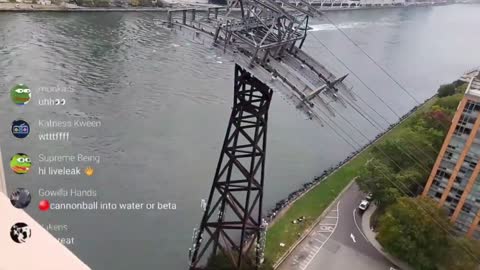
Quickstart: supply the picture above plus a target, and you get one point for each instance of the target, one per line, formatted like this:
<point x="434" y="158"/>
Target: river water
<point x="164" y="101"/>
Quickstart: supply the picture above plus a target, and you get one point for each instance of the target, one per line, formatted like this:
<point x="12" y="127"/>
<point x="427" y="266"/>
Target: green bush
<point x="446" y="90"/>
<point x="101" y="3"/>
<point x="449" y="103"/>
<point x="93" y="3"/>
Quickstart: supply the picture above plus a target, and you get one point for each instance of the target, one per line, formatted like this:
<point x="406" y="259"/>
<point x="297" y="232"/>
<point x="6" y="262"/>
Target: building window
<point x="472" y="165"/>
<point x="470" y="160"/>
<point x="460" y="130"/>
<point x="466" y="119"/>
<point x="467" y="208"/>
<point x="443" y="174"/>
<point x="471" y="106"/>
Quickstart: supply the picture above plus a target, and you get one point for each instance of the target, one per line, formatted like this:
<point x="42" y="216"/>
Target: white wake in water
<point x="350" y="25"/>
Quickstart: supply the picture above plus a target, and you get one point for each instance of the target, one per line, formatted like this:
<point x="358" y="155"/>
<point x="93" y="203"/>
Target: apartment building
<point x="455" y="181"/>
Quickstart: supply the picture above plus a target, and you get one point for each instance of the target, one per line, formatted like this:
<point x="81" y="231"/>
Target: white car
<point x="364" y="204"/>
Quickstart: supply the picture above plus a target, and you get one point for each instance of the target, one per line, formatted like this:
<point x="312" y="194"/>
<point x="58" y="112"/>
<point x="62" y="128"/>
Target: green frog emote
<point x="20" y="94"/>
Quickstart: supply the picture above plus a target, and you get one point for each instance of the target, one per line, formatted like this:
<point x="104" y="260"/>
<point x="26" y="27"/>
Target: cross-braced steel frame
<point x="234" y="207"/>
<point x="265" y="41"/>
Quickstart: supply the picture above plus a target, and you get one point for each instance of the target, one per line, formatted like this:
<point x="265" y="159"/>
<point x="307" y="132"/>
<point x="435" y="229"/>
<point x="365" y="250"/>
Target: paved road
<point x="338" y="243"/>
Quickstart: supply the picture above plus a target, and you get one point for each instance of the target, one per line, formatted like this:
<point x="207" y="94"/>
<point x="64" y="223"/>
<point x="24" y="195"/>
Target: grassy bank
<point x="313" y="203"/>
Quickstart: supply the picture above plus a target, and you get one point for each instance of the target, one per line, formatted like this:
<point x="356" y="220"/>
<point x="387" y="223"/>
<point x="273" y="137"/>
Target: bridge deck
<point x="295" y="75"/>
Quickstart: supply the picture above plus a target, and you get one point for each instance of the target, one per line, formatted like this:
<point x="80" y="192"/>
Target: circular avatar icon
<point x="20" y="163"/>
<point x="20" y="232"/>
<point x="20" y="94"/>
<point x="20" y="198"/>
<point x="20" y="129"/>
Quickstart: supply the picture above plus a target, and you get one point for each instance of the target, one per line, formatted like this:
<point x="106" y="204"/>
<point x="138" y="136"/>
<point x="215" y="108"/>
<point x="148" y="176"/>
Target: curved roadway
<point x="338" y="242"/>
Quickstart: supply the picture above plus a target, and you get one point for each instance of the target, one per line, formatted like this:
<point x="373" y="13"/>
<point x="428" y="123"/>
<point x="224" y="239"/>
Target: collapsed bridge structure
<point x="265" y="39"/>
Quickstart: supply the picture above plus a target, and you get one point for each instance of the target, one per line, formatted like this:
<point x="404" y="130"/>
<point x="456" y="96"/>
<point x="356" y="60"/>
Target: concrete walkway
<point x="371" y="236"/>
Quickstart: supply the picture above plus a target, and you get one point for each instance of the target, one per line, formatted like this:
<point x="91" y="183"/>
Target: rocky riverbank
<point x="148" y="5"/>
<point x="101" y="6"/>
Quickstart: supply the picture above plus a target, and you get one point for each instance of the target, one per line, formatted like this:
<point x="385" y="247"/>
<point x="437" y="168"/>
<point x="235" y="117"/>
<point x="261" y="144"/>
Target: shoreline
<point x="307" y="187"/>
<point x="279" y="218"/>
<point x="24" y="7"/>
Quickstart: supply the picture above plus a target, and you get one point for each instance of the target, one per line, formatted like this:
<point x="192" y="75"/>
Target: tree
<point x="438" y="117"/>
<point x="464" y="254"/>
<point x="416" y="231"/>
<point x="410" y="148"/>
<point x="385" y="185"/>
<point x="446" y="90"/>
<point x="410" y="181"/>
<point x="374" y="178"/>
<point x="449" y="103"/>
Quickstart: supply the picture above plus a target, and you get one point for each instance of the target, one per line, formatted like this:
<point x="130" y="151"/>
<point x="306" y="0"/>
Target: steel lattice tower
<point x="265" y="41"/>
<point x="234" y="207"/>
